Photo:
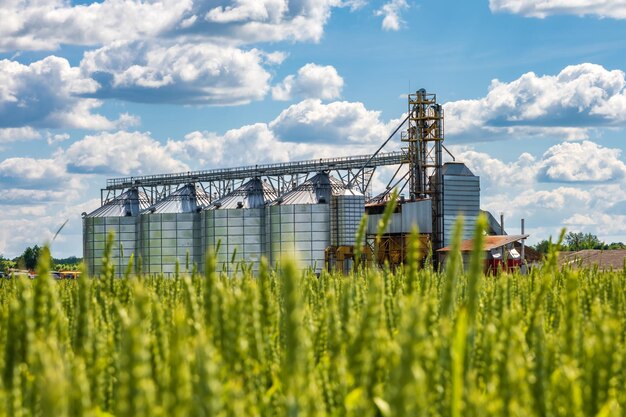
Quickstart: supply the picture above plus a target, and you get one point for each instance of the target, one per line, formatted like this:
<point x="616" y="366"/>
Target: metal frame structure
<point x="424" y="138"/>
<point x="354" y="171"/>
<point x="422" y="153"/>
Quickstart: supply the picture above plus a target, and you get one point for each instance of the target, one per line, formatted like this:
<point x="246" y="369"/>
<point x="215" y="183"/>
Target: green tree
<point x="579" y="241"/>
<point x="29" y="258"/>
<point x="542" y="247"/>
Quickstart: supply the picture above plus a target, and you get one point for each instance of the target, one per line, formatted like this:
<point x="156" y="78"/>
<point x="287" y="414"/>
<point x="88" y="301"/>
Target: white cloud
<point x="581" y="162"/>
<point x="496" y="174"/>
<point x="15" y="134"/>
<point x="391" y="12"/>
<point x="252" y="21"/>
<point x="56" y="138"/>
<point x="179" y="73"/>
<point x="48" y="93"/>
<point x="615" y="9"/>
<point x="338" y="122"/>
<point x="568" y="162"/>
<point x="580" y="220"/>
<point x="567" y="105"/>
<point x="306" y="130"/>
<point x="32" y="173"/>
<point x="45" y="25"/>
<point x="312" y="81"/>
<point x="124" y="153"/>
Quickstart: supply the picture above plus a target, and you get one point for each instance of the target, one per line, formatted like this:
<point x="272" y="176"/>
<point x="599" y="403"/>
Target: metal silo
<point x="461" y="196"/>
<point x="119" y="216"/>
<point x="237" y="221"/>
<point x="170" y="231"/>
<point x="298" y="223"/>
<point x="346" y="210"/>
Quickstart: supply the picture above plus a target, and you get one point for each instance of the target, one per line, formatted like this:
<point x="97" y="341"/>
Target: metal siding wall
<point x="346" y="212"/>
<point x="300" y="231"/>
<point x="170" y="238"/>
<point x="461" y="196"/>
<point x="415" y="212"/>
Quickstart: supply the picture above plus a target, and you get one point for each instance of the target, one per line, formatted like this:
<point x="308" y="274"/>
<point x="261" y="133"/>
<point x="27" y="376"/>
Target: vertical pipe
<point x="523" y="243"/>
<point x="502" y="233"/>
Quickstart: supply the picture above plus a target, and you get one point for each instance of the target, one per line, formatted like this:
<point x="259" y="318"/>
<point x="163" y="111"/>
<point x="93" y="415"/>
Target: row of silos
<point x="250" y="222"/>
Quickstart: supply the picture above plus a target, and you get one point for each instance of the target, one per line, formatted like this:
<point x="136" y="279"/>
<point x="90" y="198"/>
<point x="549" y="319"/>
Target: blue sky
<point x="533" y="90"/>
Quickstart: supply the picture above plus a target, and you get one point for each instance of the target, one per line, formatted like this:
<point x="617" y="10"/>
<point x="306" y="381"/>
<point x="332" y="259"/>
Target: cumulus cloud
<point x="123" y="153"/>
<point x="591" y="200"/>
<point x="581" y="162"/>
<point x="31" y="173"/>
<point x="201" y="73"/>
<point x="496" y="174"/>
<point x="251" y="21"/>
<point x="48" y="93"/>
<point x="615" y="9"/>
<point x="15" y="134"/>
<point x="45" y="25"/>
<point x="306" y="130"/>
<point x="312" y="81"/>
<point x="336" y="122"/>
<point x="391" y="12"/>
<point x="566" y="105"/>
<point x="567" y="162"/>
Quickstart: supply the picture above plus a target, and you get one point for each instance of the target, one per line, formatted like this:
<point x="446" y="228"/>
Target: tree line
<point x="29" y="258"/>
<point x="575" y="241"/>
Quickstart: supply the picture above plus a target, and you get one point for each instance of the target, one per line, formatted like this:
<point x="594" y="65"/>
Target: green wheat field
<point x="411" y="342"/>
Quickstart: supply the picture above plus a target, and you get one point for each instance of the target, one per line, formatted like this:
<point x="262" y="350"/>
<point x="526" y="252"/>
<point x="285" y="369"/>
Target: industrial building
<point x="309" y="210"/>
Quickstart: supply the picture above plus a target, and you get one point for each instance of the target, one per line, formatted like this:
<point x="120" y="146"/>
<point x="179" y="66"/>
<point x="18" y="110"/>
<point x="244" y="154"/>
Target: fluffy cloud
<point x="336" y="122"/>
<point x="251" y="21"/>
<point x="615" y="9"/>
<point x="580" y="97"/>
<point x="122" y="153"/>
<point x="181" y="73"/>
<point x="568" y="162"/>
<point x="45" y="25"/>
<point x="593" y="199"/>
<point x="581" y="162"/>
<point x="496" y="174"/>
<point x="31" y="173"/>
<point x="306" y="130"/>
<point x="391" y="14"/>
<point x="48" y="93"/>
<point x="312" y="81"/>
<point x="14" y="134"/>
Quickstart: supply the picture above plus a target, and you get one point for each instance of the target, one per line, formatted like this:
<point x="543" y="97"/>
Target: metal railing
<point x="299" y="167"/>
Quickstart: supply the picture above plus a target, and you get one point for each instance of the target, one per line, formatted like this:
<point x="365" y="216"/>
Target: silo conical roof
<point x="253" y="194"/>
<point x="317" y="189"/>
<point x="129" y="203"/>
<point x="187" y="199"/>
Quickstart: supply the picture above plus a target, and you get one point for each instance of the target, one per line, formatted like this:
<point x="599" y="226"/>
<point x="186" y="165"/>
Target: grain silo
<point x="298" y="222"/>
<point x="237" y="222"/>
<point x="118" y="215"/>
<point x="346" y="210"/>
<point x="460" y="196"/>
<point x="170" y="231"/>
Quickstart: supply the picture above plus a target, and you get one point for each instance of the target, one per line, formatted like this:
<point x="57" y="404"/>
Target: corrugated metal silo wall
<point x="300" y="231"/>
<point x="241" y="232"/>
<point x="168" y="238"/>
<point x="461" y="196"/>
<point x="95" y="231"/>
<point x="346" y="212"/>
